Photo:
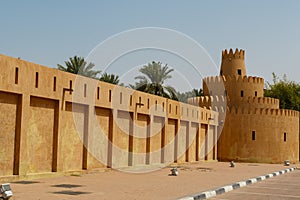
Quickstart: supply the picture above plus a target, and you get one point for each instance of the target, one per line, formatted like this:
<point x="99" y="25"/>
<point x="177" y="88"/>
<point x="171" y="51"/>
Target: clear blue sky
<point x="49" y="32"/>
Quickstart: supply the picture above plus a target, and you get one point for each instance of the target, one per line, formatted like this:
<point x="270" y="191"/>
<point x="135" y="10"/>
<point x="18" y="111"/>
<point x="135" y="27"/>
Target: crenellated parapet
<point x="233" y="79"/>
<point x="232" y="85"/>
<point x="233" y="63"/>
<point x="238" y="54"/>
<point x="255" y="102"/>
<point x="216" y="103"/>
<point x="262" y="112"/>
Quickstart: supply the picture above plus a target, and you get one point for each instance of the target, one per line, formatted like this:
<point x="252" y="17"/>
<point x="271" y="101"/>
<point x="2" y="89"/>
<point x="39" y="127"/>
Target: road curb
<point x="227" y="188"/>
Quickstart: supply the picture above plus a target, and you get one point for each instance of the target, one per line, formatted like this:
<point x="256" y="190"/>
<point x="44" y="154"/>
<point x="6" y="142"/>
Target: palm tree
<point x="77" y="65"/>
<point x="110" y="78"/>
<point x="183" y="97"/>
<point x="197" y="92"/>
<point x="153" y="80"/>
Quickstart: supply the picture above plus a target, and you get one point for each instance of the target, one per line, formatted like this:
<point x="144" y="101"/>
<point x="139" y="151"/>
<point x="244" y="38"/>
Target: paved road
<point x="286" y="186"/>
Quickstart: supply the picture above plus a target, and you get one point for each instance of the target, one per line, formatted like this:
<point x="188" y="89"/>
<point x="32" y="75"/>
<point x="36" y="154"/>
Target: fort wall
<point x="233" y="86"/>
<point x="255" y="129"/>
<point x="55" y="122"/>
<point x="260" y="135"/>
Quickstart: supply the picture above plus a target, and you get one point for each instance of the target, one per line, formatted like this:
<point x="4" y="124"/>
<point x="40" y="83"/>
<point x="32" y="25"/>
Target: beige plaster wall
<point x="56" y="122"/>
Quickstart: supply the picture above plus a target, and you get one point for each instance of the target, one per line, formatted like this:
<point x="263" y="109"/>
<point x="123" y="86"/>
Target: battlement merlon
<point x="238" y="54"/>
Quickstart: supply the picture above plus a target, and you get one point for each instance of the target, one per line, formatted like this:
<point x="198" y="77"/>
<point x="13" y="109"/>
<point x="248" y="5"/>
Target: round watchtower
<point x="233" y="63"/>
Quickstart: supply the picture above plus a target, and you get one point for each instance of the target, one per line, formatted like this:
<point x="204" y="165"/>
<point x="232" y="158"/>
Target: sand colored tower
<point x="233" y="63"/>
<point x="254" y="128"/>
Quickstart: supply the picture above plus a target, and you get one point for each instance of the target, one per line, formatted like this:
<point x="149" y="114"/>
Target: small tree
<point x="288" y="92"/>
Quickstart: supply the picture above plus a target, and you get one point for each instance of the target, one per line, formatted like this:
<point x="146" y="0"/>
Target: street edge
<point x="227" y="188"/>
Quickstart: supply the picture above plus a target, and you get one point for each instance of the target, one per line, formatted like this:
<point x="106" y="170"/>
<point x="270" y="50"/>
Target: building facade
<point x="254" y="128"/>
<point x="53" y="122"/>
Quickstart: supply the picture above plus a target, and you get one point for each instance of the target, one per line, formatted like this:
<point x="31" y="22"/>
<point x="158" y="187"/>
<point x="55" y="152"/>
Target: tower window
<point x="242" y="93"/>
<point x="255" y="93"/>
<point x="284" y="137"/>
<point x="253" y="135"/>
<point x="239" y="71"/>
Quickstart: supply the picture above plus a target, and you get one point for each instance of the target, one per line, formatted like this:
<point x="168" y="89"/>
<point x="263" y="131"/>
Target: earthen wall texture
<point x="254" y="128"/>
<point x="54" y="122"/>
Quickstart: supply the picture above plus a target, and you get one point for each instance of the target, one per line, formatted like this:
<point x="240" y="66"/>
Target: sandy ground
<point x="111" y="184"/>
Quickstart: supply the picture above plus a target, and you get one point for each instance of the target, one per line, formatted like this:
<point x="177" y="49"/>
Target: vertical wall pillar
<point x="55" y="137"/>
<point x="16" y="164"/>
<point x="85" y="137"/>
<point x="110" y="139"/>
<point x="198" y="143"/>
<point x="206" y="142"/>
<point x="176" y="135"/>
<point x="130" y="140"/>
<point x="163" y="139"/>
<point x="148" y="137"/>
<point x="24" y="116"/>
<point x="187" y="141"/>
<point x="215" y="140"/>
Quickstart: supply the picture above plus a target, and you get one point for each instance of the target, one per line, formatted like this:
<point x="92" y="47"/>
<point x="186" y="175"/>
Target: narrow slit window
<point x="163" y="106"/>
<point x="148" y="103"/>
<point x="130" y="100"/>
<point x="17" y="75"/>
<point x="98" y="92"/>
<point x="84" y="90"/>
<point x="255" y="93"/>
<point x="253" y="135"/>
<point x="54" y="83"/>
<point x="155" y="105"/>
<point x="176" y="110"/>
<point x="121" y="96"/>
<point x="70" y="87"/>
<point x="36" y="79"/>
<point x="242" y="93"/>
<point x="284" y="136"/>
<point x="109" y="96"/>
<point x="169" y="108"/>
